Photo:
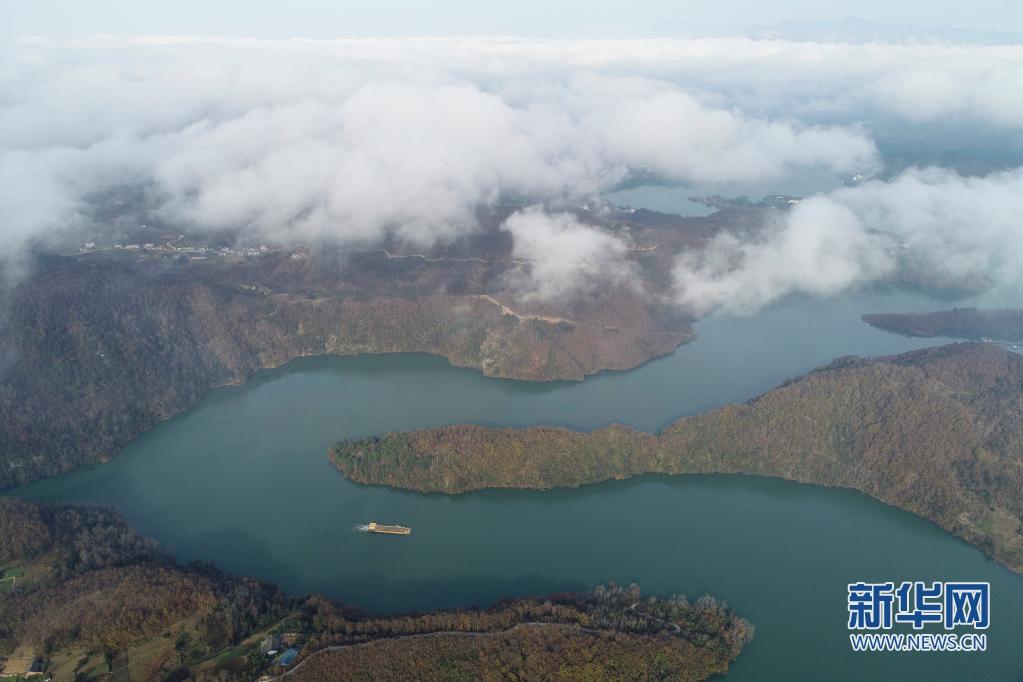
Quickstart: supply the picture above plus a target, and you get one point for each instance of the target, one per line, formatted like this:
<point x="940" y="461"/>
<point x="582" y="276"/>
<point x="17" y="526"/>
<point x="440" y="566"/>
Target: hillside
<point x="96" y="348"/>
<point x="95" y="601"/>
<point x="610" y="633"/>
<point x="99" y="346"/>
<point x="527" y="651"/>
<point x="88" y="590"/>
<point x="937" y="432"/>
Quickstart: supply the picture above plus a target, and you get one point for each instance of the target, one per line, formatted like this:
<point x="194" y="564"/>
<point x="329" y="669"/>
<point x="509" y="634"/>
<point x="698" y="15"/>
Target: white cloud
<point x="992" y="94"/>
<point x="656" y="126"/>
<point x="951" y="226"/>
<point x="967" y="227"/>
<point x="565" y="258"/>
<point x="819" y="247"/>
<point x="354" y="140"/>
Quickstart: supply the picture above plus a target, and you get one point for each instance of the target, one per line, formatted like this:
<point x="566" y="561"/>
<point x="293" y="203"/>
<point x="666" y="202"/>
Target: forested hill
<point x="87" y="590"/>
<point x="1004" y="324"/>
<point x="95" y="601"/>
<point x="610" y="633"/>
<point x="938" y="432"/>
<point x="94" y="351"/>
<point x="97" y="347"/>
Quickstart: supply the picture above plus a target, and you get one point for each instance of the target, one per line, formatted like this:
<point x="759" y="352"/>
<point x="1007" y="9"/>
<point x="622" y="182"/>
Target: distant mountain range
<point x="846" y="29"/>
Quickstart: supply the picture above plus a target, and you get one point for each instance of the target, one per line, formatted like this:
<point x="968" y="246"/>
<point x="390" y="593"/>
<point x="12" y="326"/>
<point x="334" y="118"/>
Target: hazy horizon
<point x="573" y="19"/>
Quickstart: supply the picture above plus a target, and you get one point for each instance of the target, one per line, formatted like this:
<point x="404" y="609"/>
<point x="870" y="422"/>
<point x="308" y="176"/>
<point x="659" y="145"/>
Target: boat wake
<point x="364" y="527"/>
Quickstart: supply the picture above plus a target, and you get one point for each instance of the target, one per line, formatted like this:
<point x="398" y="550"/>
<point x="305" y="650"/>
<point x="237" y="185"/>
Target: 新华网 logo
<point x="955" y="609"/>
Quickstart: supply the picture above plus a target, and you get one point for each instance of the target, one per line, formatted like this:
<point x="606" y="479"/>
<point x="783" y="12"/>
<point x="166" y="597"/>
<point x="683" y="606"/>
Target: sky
<point x="529" y="18"/>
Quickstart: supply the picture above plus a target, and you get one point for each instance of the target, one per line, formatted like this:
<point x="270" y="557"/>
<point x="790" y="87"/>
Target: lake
<point x="676" y="198"/>
<point x="242" y="480"/>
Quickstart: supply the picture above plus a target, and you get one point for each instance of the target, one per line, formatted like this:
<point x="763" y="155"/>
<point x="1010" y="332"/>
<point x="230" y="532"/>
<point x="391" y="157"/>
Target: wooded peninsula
<point x="937" y="432"/>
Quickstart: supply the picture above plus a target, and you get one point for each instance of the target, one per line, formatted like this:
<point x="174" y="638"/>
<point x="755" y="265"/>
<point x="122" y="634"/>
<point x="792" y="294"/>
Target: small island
<point x="937" y="432"/>
<point x="1003" y="325"/>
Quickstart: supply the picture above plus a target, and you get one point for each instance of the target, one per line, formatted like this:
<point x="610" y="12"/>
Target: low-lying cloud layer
<point x="820" y="247"/>
<point x="953" y="227"/>
<point x="360" y="140"/>
<point x="357" y="140"/>
<point x="561" y="257"/>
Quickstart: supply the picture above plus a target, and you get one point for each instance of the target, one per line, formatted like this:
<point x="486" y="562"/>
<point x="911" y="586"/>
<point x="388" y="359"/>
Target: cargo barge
<point x="375" y="527"/>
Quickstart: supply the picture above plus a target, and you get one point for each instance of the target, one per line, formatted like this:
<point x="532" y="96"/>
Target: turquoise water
<point x="675" y="198"/>
<point x="664" y="199"/>
<point x="242" y="480"/>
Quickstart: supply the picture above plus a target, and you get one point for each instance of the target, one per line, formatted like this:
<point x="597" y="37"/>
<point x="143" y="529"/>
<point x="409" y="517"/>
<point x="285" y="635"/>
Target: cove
<point x="242" y="480"/>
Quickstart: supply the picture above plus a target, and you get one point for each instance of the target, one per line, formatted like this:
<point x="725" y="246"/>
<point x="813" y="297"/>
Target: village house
<point x="24" y="667"/>
<point x="271" y="645"/>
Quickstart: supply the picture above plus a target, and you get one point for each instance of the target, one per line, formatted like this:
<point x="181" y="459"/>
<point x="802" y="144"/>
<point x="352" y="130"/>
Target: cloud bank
<point x="562" y="258"/>
<point x="361" y="140"/>
<point x="955" y="227"/>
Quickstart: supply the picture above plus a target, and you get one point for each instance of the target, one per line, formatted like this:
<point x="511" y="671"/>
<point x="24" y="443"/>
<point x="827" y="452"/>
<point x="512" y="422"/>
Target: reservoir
<point x="242" y="480"/>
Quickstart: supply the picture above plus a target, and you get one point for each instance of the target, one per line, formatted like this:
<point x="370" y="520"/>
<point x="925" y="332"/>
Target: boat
<point x="375" y="527"/>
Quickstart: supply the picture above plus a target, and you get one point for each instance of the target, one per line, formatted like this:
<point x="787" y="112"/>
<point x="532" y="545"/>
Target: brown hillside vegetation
<point x="938" y="432"/>
<point x="961" y="323"/>
<point x="91" y="582"/>
<point x="98" y="347"/>
<point x="93" y="598"/>
<point x="94" y="351"/>
<point x="610" y="633"/>
<point x="525" y="652"/>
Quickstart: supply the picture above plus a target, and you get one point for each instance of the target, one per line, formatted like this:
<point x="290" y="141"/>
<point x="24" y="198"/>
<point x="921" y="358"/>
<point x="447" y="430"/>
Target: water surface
<point x="675" y="198"/>
<point x="242" y="480"/>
